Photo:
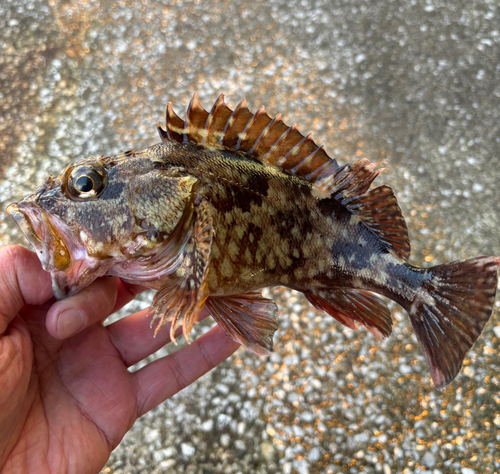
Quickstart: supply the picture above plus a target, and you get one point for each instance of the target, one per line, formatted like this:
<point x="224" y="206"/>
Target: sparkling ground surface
<point x="412" y="85"/>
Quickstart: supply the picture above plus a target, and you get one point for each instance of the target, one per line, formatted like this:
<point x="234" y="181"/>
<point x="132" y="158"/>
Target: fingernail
<point x="70" y="322"/>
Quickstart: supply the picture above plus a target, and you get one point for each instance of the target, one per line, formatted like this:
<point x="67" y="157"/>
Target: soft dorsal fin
<point x="377" y="208"/>
<point x="268" y="139"/>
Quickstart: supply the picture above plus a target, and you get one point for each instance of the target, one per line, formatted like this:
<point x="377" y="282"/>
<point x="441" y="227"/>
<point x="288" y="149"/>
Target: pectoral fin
<point x="249" y="319"/>
<point x="180" y="301"/>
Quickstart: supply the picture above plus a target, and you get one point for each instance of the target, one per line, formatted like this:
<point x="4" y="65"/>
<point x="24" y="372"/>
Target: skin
<point x="67" y="398"/>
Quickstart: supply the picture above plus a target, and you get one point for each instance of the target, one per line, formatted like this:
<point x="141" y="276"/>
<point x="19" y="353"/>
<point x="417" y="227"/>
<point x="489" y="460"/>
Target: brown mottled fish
<point x="233" y="201"/>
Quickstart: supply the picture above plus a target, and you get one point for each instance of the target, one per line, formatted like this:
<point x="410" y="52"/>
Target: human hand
<point x="67" y="400"/>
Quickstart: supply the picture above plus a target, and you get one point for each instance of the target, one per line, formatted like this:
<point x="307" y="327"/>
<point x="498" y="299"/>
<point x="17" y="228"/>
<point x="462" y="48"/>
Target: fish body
<point x="231" y="202"/>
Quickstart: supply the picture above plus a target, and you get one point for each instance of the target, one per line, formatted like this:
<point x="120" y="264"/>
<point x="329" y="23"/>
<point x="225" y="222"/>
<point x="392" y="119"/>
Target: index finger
<point x="22" y="281"/>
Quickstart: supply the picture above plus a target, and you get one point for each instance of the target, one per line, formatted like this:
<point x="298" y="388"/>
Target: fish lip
<point x="26" y="223"/>
<point x="48" y="235"/>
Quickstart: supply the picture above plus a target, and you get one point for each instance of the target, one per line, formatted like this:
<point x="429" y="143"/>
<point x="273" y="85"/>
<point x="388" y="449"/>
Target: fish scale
<point x="231" y="202"/>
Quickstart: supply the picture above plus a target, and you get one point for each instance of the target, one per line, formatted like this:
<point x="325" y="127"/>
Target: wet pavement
<point x="412" y="85"/>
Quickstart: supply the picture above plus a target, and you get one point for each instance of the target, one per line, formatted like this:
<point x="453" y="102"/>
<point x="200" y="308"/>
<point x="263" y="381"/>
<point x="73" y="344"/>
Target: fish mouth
<point x="61" y="254"/>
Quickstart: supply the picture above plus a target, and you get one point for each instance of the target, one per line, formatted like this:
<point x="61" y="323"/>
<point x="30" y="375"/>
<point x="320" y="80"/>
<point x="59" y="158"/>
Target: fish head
<point x="100" y="216"/>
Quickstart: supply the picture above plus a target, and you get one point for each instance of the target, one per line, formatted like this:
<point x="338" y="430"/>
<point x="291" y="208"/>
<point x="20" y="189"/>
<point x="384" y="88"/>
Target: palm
<point x="81" y="387"/>
<point x="74" y="399"/>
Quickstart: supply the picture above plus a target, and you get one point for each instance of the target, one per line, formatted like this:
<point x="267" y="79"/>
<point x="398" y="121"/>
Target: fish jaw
<point x="61" y="253"/>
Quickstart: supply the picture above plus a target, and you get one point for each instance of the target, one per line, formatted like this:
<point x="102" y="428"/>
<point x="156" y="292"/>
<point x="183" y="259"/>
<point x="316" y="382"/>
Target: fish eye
<point x="85" y="182"/>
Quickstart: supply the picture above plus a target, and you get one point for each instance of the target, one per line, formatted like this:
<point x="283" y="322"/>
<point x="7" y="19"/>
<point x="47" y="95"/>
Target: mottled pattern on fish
<point x="231" y="202"/>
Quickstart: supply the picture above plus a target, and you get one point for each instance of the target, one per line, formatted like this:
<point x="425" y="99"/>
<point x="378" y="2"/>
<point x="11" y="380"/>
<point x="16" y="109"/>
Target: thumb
<point x="22" y="281"/>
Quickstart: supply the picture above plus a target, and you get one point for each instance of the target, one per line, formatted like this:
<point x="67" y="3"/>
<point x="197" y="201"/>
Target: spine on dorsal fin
<point x="252" y="126"/>
<point x="235" y="125"/>
<point x="268" y="140"/>
<point x="174" y="125"/>
<point x="196" y="119"/>
<point x="377" y="208"/>
<point x="216" y="121"/>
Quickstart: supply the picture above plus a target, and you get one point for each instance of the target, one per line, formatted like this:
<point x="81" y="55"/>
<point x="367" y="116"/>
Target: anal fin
<point x="349" y="306"/>
<point x="249" y="319"/>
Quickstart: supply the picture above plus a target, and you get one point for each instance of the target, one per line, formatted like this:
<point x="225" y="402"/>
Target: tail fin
<point x="450" y="312"/>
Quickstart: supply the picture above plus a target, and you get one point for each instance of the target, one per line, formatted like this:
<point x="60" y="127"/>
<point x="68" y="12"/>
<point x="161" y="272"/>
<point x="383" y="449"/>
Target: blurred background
<point x="412" y="85"/>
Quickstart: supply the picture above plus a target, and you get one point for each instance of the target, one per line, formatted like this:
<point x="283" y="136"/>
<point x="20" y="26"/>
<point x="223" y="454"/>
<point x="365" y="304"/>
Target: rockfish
<point x="231" y="202"/>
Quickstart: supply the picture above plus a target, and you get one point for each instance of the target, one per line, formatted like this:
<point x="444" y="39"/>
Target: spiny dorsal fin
<point x="268" y="139"/>
<point x="377" y="208"/>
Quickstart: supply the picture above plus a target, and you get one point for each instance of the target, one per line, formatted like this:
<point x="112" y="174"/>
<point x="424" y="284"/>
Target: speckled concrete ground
<point x="412" y="85"/>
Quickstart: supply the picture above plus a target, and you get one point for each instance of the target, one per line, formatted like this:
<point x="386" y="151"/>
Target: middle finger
<point x="134" y="338"/>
